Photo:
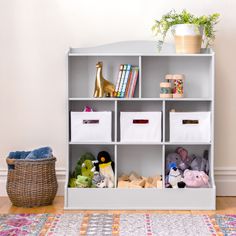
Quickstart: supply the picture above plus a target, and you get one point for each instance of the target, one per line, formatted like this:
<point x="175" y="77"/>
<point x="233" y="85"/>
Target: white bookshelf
<point x="145" y="158"/>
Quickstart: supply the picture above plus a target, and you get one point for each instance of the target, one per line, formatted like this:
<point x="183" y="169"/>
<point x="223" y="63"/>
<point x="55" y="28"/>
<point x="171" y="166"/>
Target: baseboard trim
<point x="225" y="178"/>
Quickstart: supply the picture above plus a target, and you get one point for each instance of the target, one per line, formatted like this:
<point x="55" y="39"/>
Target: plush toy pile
<point x="183" y="170"/>
<point x="92" y="173"/>
<point x="133" y="180"/>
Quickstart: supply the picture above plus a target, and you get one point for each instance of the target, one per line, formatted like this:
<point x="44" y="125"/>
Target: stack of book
<point x="126" y="81"/>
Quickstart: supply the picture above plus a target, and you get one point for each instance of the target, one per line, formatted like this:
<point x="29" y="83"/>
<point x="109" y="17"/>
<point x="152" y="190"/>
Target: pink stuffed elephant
<point x="196" y="179"/>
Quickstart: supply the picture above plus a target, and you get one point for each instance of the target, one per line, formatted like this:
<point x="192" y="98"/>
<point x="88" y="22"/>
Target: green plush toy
<point x="78" y="168"/>
<point x="83" y="182"/>
<point x="72" y="183"/>
<point x="88" y="168"/>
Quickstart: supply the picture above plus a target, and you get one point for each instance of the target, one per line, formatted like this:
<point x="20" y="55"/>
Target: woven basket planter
<point x="32" y="183"/>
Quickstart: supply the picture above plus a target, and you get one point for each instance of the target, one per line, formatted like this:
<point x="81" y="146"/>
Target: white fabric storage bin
<point x="140" y="126"/>
<point x="91" y="126"/>
<point x="190" y="126"/>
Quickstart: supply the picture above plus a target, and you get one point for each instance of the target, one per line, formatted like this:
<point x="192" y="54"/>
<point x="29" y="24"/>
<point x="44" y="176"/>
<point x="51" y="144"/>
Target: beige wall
<point x="34" y="36"/>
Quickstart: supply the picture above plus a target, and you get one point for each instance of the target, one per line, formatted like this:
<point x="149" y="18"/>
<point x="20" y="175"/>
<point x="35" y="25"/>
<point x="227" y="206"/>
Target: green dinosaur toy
<point x="88" y="168"/>
<point x="83" y="182"/>
<point x="85" y="156"/>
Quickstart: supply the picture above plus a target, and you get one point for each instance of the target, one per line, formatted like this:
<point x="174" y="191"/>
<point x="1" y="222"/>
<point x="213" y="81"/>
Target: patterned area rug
<point x="117" y="224"/>
<point x="227" y="224"/>
<point x="22" y="224"/>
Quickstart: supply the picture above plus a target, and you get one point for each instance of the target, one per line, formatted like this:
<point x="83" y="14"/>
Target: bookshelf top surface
<point x="132" y="48"/>
<point x="143" y="99"/>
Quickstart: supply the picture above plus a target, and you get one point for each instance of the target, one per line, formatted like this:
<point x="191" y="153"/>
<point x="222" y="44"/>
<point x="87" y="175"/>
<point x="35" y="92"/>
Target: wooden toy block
<point x="159" y="184"/>
<point x="123" y="178"/>
<point x="123" y="184"/>
<point x="144" y="178"/>
<point x="136" y="181"/>
<point x="134" y="185"/>
<point x="149" y="180"/>
<point x="127" y="184"/>
<point x="134" y="176"/>
<point x="149" y="185"/>
<point x="140" y="182"/>
<point x="156" y="179"/>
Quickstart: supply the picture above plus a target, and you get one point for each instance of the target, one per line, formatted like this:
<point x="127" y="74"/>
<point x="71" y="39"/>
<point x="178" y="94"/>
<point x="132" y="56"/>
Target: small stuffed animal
<point x="106" y="167"/>
<point x="83" y="182"/>
<point x="87" y="109"/>
<point x="186" y="159"/>
<point x="196" y="179"/>
<point x="72" y="182"/>
<point x="99" y="180"/>
<point x="175" y="178"/>
<point x="88" y="168"/>
<point x="85" y="156"/>
<point x="174" y="158"/>
<point x="201" y="163"/>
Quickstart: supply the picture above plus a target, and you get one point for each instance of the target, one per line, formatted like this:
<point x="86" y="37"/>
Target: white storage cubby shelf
<point x="145" y="158"/>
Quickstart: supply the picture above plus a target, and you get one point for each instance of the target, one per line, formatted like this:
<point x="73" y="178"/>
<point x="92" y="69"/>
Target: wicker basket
<point x="32" y="183"/>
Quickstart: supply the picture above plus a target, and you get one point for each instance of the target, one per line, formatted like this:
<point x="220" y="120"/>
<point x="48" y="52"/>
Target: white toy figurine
<point x="175" y="179"/>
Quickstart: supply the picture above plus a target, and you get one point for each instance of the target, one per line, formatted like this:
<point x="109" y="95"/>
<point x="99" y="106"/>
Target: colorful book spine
<point x="121" y="81"/>
<point x="118" y="80"/>
<point x="134" y="82"/>
<point x="127" y="73"/>
<point x="129" y="83"/>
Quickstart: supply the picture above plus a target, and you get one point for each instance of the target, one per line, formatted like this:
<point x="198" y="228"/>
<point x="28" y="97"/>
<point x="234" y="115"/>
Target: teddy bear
<point x="196" y="179"/>
<point x="174" y="178"/>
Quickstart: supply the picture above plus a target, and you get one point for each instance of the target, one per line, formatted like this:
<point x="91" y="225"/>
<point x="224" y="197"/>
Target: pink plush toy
<point x="87" y="109"/>
<point x="196" y="179"/>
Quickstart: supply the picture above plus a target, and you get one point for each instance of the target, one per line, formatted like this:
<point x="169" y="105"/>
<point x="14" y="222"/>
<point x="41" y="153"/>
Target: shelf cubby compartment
<point x="184" y="106"/>
<point x="197" y="150"/>
<point x="145" y="160"/>
<point x="201" y="198"/>
<point x="96" y="105"/>
<point x="76" y="150"/>
<point x="82" y="73"/>
<point x="136" y="106"/>
<point x="198" y="72"/>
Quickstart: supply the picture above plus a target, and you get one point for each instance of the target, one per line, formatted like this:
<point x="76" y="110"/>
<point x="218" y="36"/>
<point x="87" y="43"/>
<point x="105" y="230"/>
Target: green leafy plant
<point x="208" y="22"/>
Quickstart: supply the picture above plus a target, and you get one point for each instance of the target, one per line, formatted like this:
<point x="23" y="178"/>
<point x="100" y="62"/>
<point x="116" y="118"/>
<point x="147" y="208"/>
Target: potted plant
<point x="190" y="31"/>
